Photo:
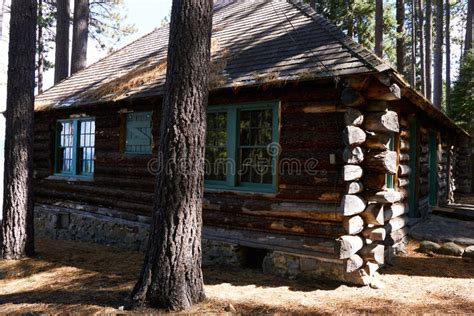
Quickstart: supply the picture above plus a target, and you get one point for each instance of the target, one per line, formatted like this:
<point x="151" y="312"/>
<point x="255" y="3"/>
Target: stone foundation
<point x="65" y="223"/>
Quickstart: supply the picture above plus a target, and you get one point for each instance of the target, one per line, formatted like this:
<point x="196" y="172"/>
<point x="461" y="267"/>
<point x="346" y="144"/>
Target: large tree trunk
<point x="421" y="38"/>
<point x="413" y="45"/>
<point x="171" y="277"/>
<point x="468" y="39"/>
<point x="438" y="57"/>
<point x="18" y="216"/>
<point x="448" y="57"/>
<point x="61" y="58"/>
<point x="80" y="34"/>
<point x="40" y="65"/>
<point x="379" y="28"/>
<point x="349" y="18"/>
<point x="401" y="36"/>
<point x="428" y="46"/>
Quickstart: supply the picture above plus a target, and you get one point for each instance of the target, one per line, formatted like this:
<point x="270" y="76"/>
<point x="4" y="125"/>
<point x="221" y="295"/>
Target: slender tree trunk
<point x="171" y="277"/>
<point x="80" y="34"/>
<point x="438" y="56"/>
<point x="401" y="36"/>
<point x="312" y="3"/>
<point x="468" y="39"/>
<point x="61" y="58"/>
<point x="40" y="47"/>
<point x="379" y="28"/>
<point x="428" y="47"/>
<point x="2" y="8"/>
<point x="448" y="57"/>
<point x="18" y="216"/>
<point x="421" y="38"/>
<point x="349" y="18"/>
<point x="413" y="45"/>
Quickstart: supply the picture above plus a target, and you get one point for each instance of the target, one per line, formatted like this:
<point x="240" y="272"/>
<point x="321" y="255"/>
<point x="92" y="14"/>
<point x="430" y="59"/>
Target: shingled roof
<point x="251" y="40"/>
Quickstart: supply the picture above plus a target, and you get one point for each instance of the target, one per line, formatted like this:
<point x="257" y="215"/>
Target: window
<point x="138" y="136"/>
<point x="75" y="147"/>
<point x="239" y="143"/>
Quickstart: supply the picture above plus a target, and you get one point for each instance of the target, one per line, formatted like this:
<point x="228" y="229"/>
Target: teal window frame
<point x="130" y="142"/>
<point x="232" y="144"/>
<point x="389" y="178"/>
<point x="75" y="171"/>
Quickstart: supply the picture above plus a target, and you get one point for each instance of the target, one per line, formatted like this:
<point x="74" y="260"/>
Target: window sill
<point x="70" y="178"/>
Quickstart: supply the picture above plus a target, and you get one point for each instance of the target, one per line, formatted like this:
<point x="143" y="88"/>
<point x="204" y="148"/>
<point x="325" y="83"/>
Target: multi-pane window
<point x="75" y="147"/>
<point x="138" y="138"/>
<point x="239" y="142"/>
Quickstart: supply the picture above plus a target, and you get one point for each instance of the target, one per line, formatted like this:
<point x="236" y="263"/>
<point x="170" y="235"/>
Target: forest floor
<point x="73" y="277"/>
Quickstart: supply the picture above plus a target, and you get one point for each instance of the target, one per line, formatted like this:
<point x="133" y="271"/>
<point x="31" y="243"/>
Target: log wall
<point x="305" y="204"/>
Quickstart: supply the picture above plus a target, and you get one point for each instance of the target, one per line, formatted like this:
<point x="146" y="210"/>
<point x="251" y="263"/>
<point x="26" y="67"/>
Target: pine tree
<point x="413" y="44"/>
<point x="421" y="38"/>
<point x="438" y="56"/>
<point x="448" y="56"/>
<point x="428" y="47"/>
<point x="61" y="59"/>
<point x="18" y="213"/>
<point x="401" y="36"/>
<point x="80" y="35"/>
<point x="171" y="277"/>
<point x="379" y="28"/>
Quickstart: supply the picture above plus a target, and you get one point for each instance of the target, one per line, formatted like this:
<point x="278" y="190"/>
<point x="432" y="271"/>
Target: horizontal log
<point x="353" y="136"/>
<point x="351" y="97"/>
<point x="381" y="161"/>
<point x="384" y="93"/>
<point x="373" y="253"/>
<point x="403" y="182"/>
<point x="397" y="223"/>
<point x="404" y="145"/>
<point x="377" y="106"/>
<point x="387" y="196"/>
<point x="404" y="170"/>
<point x="355" y="187"/>
<point x="352" y="172"/>
<point x="404" y="133"/>
<point x="352" y="205"/>
<point x="347" y="246"/>
<point x="353" y="117"/>
<point x="374" y="181"/>
<point x="353" y="224"/>
<point x="374" y="233"/>
<point x="382" y="122"/>
<point x="377" y="141"/>
<point x="404" y="157"/>
<point x="374" y="214"/>
<point x="354" y="263"/>
<point x="353" y="155"/>
<point x="395" y="210"/>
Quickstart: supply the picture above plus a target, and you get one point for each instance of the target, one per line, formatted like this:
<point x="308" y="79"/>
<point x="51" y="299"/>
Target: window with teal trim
<point x="239" y="153"/>
<point x="138" y="136"/>
<point x="75" y="147"/>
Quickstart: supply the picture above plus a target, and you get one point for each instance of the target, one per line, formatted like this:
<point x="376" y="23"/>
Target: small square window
<point x="138" y="138"/>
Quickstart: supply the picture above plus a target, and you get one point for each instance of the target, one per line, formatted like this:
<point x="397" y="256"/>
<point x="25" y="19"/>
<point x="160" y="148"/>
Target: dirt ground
<point x="72" y="277"/>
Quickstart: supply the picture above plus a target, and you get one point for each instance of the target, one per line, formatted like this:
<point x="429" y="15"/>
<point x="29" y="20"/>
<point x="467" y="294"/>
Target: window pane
<point x="216" y="146"/>
<point x="255" y="134"/>
<point x="65" y="147"/>
<point x="86" y="147"/>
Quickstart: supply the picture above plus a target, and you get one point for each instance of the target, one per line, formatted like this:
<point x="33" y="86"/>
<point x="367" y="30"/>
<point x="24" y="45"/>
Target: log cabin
<point x="319" y="155"/>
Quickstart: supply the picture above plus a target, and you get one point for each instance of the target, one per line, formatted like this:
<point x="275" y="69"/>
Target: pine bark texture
<point x="18" y="217"/>
<point x="40" y="44"/>
<point x="413" y="44"/>
<point x="379" y="28"/>
<point x="468" y="39"/>
<point x="438" y="57"/>
<point x="448" y="56"/>
<point x="428" y="47"/>
<point x="171" y="277"/>
<point x="80" y="34"/>
<point x="61" y="58"/>
<point x="401" y="36"/>
<point x="421" y="38"/>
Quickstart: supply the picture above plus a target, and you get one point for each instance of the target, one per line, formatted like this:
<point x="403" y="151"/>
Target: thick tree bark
<point x="349" y="18"/>
<point x="61" y="58"/>
<point x="40" y="65"/>
<point x="468" y="39"/>
<point x="413" y="45"/>
<point x="401" y="36"/>
<point x="80" y="34"/>
<point x="428" y="47"/>
<point x="448" y="56"/>
<point x="18" y="217"/>
<point x="171" y="277"/>
<point x="421" y="38"/>
<point x="379" y="28"/>
<point x="438" y="57"/>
